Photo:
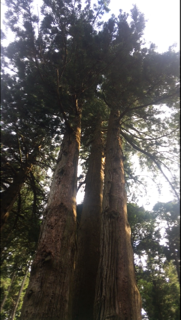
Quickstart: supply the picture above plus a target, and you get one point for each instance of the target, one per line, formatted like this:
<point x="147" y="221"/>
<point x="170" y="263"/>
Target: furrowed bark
<point x="88" y="242"/>
<point x="117" y="296"/>
<point x="47" y="296"/>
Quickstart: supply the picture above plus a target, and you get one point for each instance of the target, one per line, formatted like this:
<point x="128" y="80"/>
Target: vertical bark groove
<point x="47" y="296"/>
<point x="117" y="296"/>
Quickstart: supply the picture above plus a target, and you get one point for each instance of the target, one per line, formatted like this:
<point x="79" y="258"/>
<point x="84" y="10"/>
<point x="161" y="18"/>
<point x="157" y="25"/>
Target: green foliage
<point x="160" y="294"/>
<point x="170" y="213"/>
<point x="19" y="239"/>
<point x="156" y="271"/>
<point x="12" y="294"/>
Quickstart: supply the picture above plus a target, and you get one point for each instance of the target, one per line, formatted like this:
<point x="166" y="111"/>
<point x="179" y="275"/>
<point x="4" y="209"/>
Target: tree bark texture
<point x="47" y="296"/>
<point x="117" y="296"/>
<point x="88" y="241"/>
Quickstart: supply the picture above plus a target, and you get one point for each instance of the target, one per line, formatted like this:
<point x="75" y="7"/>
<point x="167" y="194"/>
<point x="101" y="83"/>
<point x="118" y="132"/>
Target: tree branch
<point x="146" y="104"/>
<point x="61" y="107"/>
<point x="150" y="156"/>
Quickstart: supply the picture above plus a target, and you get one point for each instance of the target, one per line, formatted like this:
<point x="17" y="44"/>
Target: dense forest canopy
<point x="78" y="88"/>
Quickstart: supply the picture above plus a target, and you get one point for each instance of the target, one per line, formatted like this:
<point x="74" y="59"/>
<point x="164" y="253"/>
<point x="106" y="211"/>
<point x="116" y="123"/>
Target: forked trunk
<point x="88" y="242"/>
<point x="117" y="296"/>
<point x="47" y="296"/>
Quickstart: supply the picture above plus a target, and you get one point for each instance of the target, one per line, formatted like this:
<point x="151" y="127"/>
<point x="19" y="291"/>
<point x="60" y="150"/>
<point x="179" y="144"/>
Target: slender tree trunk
<point x="8" y="290"/>
<point x="117" y="296"/>
<point x="10" y="195"/>
<point x="88" y="242"/>
<point x="47" y="296"/>
<point x="19" y="294"/>
<point x="177" y="264"/>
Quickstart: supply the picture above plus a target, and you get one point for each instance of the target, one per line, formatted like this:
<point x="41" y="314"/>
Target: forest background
<point x="157" y="274"/>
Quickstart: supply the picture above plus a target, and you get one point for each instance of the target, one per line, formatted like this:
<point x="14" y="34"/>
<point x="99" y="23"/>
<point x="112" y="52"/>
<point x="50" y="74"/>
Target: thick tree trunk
<point x="19" y="295"/>
<point x="117" y="296"/>
<point x="47" y="296"/>
<point x="8" y="290"/>
<point x="88" y="242"/>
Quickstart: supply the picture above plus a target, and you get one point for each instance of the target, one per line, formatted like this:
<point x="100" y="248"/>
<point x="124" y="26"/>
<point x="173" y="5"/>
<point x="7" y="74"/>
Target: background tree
<point x="26" y="135"/>
<point x="169" y="212"/>
<point x="156" y="276"/>
<point x="19" y="239"/>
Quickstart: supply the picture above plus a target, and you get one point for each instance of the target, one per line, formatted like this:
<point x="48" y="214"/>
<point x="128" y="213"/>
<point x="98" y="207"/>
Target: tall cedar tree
<point x="117" y="295"/>
<point x="88" y="240"/>
<point x="55" y="250"/>
<point x="47" y="296"/>
<point x="72" y="60"/>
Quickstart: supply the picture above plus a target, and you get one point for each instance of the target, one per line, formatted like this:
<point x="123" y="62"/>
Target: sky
<point x="162" y="29"/>
<point x="163" y="19"/>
